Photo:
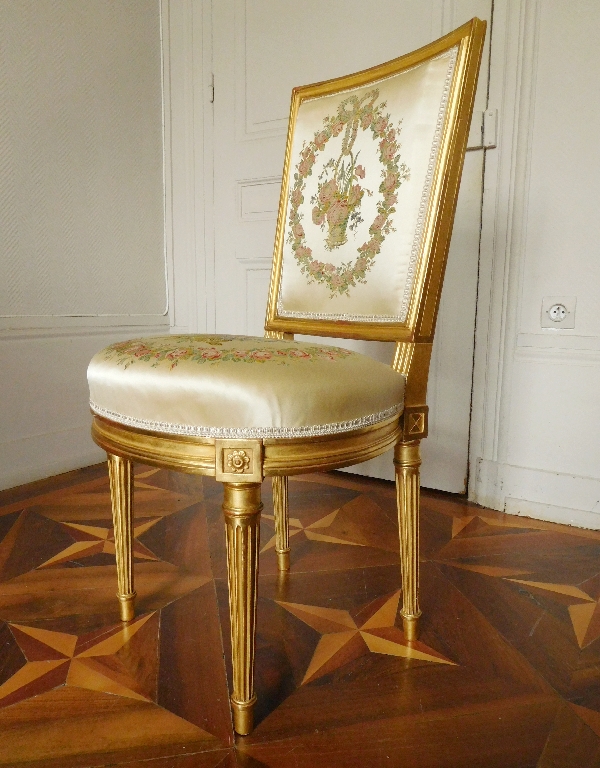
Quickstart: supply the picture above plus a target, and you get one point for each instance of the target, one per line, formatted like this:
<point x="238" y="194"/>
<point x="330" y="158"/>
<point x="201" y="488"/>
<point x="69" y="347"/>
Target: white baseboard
<point x="44" y="399"/>
<point x="39" y="456"/>
<point x="543" y="495"/>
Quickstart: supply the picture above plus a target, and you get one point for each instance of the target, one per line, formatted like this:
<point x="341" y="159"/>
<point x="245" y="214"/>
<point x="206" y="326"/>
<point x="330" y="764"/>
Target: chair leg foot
<point x="407" y="459"/>
<point x="127" y="606"/>
<point x="121" y="491"/>
<point x="410" y="625"/>
<point x="242" y="507"/>
<point x="282" y="522"/>
<point x="243" y="716"/>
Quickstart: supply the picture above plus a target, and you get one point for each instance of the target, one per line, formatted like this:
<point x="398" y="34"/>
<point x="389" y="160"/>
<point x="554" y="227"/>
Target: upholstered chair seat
<point x="241" y="387"/>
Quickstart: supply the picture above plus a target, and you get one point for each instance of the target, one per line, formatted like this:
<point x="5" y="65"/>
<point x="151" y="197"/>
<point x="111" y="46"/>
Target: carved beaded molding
<point x="247" y="432"/>
<point x="416" y="245"/>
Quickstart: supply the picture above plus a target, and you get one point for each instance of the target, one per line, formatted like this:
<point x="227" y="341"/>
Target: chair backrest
<point x="371" y="176"/>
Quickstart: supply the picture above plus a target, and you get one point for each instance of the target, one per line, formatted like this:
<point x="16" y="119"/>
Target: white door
<point x="261" y="50"/>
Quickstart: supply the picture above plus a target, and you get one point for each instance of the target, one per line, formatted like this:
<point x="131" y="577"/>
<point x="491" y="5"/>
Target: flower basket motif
<point x="340" y="191"/>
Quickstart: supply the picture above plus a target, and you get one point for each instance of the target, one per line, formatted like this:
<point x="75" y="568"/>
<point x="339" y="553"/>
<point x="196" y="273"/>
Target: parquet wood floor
<point x="506" y="673"/>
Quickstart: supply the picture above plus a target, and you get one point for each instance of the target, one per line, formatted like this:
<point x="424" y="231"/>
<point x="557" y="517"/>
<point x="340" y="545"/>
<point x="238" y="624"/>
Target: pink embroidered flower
<point x="328" y="192"/>
<point x="212" y="354"/>
<point x="367" y="118"/>
<point x="381" y="125"/>
<point x="303" y="252"/>
<point x="337" y="127"/>
<point x="361" y="264"/>
<point x="298" y="230"/>
<point x="298" y="353"/>
<point x="261" y="354"/>
<point x="336" y="280"/>
<point x="307" y="162"/>
<point x="240" y="354"/>
<point x="390" y="199"/>
<point x="388" y="150"/>
<point x="175" y="354"/>
<point x="337" y="213"/>
<point x="297" y="198"/>
<point x="321" y="140"/>
<point x="371" y="248"/>
<point x="139" y="350"/>
<point x="390" y="182"/>
<point x="359" y="171"/>
<point x="329" y="269"/>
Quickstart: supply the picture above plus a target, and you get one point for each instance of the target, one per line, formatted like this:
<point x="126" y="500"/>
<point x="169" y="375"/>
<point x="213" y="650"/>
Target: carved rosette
<point x="238" y="461"/>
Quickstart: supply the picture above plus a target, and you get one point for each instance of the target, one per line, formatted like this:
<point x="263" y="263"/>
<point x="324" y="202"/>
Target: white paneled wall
<point x="536" y="413"/>
<point x="82" y="245"/>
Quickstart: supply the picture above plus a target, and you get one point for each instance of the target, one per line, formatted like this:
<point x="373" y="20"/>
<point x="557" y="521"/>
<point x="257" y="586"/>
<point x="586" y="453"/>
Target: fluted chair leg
<point x="282" y="522"/>
<point x="242" y="507"/>
<point x="407" y="459"/>
<point x="121" y="493"/>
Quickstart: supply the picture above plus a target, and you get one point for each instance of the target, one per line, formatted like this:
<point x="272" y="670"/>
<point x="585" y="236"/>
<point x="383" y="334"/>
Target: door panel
<point x="261" y="50"/>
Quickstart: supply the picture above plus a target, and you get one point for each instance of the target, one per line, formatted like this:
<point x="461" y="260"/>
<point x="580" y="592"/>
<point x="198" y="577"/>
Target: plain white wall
<point x="536" y="420"/>
<point x="82" y="246"/>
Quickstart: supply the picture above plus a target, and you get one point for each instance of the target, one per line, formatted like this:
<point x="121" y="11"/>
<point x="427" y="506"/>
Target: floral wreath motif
<point x="339" y="193"/>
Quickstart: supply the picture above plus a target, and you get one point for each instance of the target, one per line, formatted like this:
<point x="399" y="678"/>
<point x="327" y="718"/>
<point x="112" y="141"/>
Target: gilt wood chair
<point x="371" y="177"/>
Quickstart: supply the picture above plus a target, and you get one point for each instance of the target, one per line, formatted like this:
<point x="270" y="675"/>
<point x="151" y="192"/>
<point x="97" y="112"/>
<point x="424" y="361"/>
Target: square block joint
<point x="238" y="461"/>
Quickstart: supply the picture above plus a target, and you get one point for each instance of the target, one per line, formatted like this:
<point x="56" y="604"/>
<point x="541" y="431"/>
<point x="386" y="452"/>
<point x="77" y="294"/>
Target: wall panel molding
<point x="57" y="332"/>
<point x="560" y="342"/>
<point x="258" y="199"/>
<point x="541" y="494"/>
<point x="246" y="128"/>
<point x="506" y="186"/>
<point x="187" y="62"/>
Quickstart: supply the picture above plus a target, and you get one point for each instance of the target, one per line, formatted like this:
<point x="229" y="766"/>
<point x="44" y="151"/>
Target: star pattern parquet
<point x="505" y="672"/>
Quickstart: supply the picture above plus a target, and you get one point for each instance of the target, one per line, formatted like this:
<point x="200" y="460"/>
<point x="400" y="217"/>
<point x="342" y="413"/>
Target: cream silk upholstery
<point x="362" y="164"/>
<point x="240" y="387"/>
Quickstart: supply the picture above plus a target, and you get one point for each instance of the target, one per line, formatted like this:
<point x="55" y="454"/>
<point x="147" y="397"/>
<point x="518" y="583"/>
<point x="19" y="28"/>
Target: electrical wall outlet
<point x="558" y="312"/>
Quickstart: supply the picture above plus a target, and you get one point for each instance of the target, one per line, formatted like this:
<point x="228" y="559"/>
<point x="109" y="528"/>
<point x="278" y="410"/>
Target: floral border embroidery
<point x="338" y="199"/>
<point x="205" y="349"/>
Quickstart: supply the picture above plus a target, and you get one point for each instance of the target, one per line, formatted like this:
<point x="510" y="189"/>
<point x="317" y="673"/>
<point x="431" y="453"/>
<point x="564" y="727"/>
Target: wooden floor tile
<point x="73" y="726"/>
<point x="506" y="734"/>
<point x="193" y="682"/>
<point x="571" y="743"/>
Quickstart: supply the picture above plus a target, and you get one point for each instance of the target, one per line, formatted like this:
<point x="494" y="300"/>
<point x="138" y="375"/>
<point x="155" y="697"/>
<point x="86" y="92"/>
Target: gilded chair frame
<point x="241" y="465"/>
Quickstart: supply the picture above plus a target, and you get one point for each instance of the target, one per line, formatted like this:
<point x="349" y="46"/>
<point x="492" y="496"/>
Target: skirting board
<point x="32" y="458"/>
<point x="543" y="495"/>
